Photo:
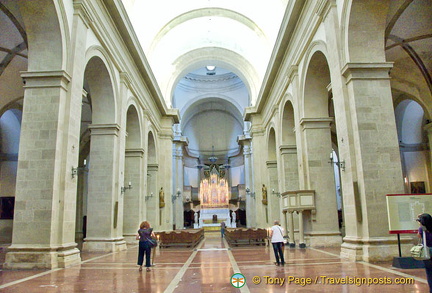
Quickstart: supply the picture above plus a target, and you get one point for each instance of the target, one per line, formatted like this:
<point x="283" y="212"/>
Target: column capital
<point x="45" y="79"/>
<point x="271" y="164"/>
<point x="367" y="71"/>
<point x="288" y="149"/>
<point x="316" y="123"/>
<point x="152" y="167"/>
<point x="182" y="140"/>
<point x="138" y="152"/>
<point x="104" y="129"/>
<point x="244" y="139"/>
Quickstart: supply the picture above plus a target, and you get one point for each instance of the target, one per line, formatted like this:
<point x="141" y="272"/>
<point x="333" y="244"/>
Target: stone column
<point x="259" y="175"/>
<point x="154" y="211"/>
<point x="273" y="206"/>
<point x="250" y="200"/>
<point x="319" y="177"/>
<point x="302" y="243"/>
<point x="133" y="198"/>
<point x="165" y="175"/>
<point x="290" y="181"/>
<point x="45" y="200"/>
<point x="376" y="166"/>
<point x="178" y="215"/>
<point x="291" y="229"/>
<point x="104" y="193"/>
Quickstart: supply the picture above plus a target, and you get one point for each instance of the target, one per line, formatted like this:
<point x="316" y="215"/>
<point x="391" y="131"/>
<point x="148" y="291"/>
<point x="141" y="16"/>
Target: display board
<point x="403" y="209"/>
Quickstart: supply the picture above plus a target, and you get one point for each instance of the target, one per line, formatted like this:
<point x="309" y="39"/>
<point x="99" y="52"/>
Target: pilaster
<point x="104" y="222"/>
<point x="323" y="225"/>
<point x="133" y="198"/>
<point x="377" y="159"/>
<point x="45" y="199"/>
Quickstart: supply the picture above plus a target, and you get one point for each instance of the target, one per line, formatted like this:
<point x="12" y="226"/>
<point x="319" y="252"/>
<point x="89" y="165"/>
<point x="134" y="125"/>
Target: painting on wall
<point x="418" y="187"/>
<point x="7" y="205"/>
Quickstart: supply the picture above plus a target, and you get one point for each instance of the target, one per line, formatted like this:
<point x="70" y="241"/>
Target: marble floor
<point x="213" y="266"/>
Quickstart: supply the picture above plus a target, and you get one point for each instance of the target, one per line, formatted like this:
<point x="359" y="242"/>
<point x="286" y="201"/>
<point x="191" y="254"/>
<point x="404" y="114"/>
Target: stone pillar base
<point x="325" y="239"/>
<point x="375" y="249"/>
<point x="104" y="244"/>
<point x="41" y="258"/>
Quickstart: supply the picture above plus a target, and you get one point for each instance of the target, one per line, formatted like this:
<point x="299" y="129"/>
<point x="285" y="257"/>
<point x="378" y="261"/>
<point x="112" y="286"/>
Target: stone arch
<point x="215" y="11"/>
<point x="100" y="85"/>
<point x="315" y="87"/>
<point x="152" y="148"/>
<point x="10" y="129"/>
<point x="206" y="113"/>
<point x="315" y="127"/>
<point x="153" y="208"/>
<point x="288" y="124"/>
<point x="271" y="145"/>
<point x="414" y="138"/>
<point x="206" y="96"/>
<point x="134" y="178"/>
<point x="45" y="28"/>
<point x="202" y="57"/>
<point x="133" y="127"/>
<point x="355" y="30"/>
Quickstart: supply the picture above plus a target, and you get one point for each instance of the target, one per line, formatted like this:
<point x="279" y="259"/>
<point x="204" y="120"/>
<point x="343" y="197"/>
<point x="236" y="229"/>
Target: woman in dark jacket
<point x="425" y="221"/>
<point x="145" y="233"/>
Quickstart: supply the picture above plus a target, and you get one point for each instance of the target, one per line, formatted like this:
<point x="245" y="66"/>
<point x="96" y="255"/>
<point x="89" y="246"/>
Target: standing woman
<point x="276" y="236"/>
<point x="144" y="235"/>
<point x="425" y="221"/>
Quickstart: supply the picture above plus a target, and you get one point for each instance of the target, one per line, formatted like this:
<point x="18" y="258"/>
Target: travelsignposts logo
<point x="238" y="280"/>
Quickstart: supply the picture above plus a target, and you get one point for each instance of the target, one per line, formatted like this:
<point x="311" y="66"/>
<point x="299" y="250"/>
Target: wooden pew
<point x="246" y="236"/>
<point x="187" y="238"/>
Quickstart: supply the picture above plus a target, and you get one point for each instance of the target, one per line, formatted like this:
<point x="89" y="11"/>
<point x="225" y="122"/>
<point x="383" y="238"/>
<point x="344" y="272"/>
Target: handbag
<point x="421" y="251"/>
<point x="152" y="241"/>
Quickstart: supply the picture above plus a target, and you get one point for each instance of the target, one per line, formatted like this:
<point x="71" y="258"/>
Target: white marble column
<point x="317" y="146"/>
<point x="105" y="200"/>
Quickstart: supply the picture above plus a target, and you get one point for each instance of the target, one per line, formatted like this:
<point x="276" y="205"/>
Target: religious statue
<point x="161" y="198"/>
<point x="196" y="218"/>
<point x="233" y="215"/>
<point x="264" y="194"/>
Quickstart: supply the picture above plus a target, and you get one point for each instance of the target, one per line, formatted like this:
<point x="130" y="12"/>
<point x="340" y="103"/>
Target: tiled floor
<point x="210" y="267"/>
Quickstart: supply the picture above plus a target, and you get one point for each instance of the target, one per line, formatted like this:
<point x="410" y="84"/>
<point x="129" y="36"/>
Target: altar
<point x="214" y="194"/>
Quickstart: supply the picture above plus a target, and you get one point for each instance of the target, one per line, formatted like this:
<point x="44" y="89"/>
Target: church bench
<point x="188" y="238"/>
<point x="246" y="236"/>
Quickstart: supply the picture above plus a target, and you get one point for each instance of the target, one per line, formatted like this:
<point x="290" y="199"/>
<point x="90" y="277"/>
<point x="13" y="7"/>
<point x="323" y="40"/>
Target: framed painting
<point x="418" y="187"/>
